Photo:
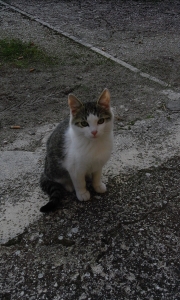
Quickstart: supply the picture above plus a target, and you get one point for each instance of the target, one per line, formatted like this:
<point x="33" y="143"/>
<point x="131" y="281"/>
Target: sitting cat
<point x="78" y="148"/>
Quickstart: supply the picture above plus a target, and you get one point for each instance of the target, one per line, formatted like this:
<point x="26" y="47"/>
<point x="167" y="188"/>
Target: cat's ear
<point x="104" y="99"/>
<point x="74" y="104"/>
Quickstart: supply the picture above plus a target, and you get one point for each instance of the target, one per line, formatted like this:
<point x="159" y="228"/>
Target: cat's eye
<point x="101" y="121"/>
<point x="84" y="124"/>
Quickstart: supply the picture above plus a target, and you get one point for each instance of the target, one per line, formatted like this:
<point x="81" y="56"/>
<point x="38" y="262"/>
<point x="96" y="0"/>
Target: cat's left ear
<point x="74" y="104"/>
<point x="104" y="99"/>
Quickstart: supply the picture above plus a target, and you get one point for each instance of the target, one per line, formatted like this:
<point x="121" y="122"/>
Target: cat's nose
<point x="94" y="132"/>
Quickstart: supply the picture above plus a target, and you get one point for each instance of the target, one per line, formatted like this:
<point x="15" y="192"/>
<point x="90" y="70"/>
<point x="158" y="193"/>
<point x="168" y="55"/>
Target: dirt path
<point x="144" y="34"/>
<point x="124" y="245"/>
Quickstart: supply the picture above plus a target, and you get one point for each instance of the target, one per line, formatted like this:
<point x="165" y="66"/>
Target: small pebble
<point x="97" y="197"/>
<point x="75" y="230"/>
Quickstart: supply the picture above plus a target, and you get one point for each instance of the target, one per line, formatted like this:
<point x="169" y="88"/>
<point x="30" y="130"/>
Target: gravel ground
<point x="122" y="245"/>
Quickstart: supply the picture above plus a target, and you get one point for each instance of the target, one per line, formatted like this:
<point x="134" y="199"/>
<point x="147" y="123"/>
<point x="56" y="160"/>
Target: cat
<point x="78" y="148"/>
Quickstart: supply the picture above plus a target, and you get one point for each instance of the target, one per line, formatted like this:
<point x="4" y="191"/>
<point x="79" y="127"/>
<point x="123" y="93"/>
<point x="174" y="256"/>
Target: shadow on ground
<point x="122" y="245"/>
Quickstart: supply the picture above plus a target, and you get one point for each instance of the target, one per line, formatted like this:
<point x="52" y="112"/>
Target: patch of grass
<point x="131" y="123"/>
<point x="149" y="117"/>
<point x="22" y="54"/>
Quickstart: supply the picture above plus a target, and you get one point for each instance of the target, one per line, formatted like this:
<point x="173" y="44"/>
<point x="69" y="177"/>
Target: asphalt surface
<point x="144" y="34"/>
<point x="124" y="244"/>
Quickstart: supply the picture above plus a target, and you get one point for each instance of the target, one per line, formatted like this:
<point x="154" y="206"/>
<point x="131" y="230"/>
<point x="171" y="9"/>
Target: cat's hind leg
<point x="66" y="182"/>
<point x="54" y="190"/>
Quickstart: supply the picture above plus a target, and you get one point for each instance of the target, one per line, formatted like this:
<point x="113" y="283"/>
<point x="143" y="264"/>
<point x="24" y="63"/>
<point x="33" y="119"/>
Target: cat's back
<point x="55" y="143"/>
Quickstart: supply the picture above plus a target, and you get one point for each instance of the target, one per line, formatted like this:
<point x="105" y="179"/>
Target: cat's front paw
<point x="83" y="196"/>
<point x="100" y="188"/>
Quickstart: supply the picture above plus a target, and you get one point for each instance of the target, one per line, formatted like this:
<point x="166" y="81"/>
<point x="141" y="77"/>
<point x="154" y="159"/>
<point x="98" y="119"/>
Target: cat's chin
<point x="94" y="137"/>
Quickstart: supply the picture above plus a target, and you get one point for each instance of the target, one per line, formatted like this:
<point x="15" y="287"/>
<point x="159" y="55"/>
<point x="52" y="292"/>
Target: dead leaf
<point x="15" y="127"/>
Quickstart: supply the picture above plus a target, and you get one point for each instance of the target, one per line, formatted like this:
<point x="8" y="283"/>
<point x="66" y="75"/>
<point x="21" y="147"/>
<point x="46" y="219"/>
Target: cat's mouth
<point x="94" y="137"/>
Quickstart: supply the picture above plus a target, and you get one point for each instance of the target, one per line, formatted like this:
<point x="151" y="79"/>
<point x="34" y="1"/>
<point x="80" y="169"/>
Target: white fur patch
<point x="84" y="153"/>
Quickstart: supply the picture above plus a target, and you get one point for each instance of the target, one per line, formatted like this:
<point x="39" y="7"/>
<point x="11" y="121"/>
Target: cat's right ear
<point x="74" y="104"/>
<point x="104" y="99"/>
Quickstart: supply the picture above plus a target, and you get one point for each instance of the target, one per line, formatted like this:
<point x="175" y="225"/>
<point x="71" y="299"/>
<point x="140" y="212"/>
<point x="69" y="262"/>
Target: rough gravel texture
<point x="123" y="245"/>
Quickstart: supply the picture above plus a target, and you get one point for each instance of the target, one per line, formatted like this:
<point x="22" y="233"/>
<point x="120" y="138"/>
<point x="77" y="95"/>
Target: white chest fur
<point x="87" y="155"/>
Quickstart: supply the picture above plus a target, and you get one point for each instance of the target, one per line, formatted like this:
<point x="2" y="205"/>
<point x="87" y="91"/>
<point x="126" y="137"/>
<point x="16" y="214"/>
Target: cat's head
<point x="91" y="119"/>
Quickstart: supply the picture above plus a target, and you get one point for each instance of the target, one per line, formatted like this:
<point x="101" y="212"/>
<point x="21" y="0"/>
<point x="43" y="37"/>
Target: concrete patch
<point x="173" y="101"/>
<point x="19" y="204"/>
<point x="13" y="163"/>
<point x="131" y="153"/>
<point x="16" y="217"/>
<point x="21" y="196"/>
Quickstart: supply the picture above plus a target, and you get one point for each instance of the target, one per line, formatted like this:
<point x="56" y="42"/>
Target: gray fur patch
<point x="91" y="108"/>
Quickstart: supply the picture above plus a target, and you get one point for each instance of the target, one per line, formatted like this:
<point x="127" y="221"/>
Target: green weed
<point x="22" y="54"/>
<point x="149" y="117"/>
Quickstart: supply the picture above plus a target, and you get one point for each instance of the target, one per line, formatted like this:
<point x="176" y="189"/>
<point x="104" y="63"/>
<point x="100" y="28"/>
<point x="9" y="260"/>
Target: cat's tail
<point x="54" y="190"/>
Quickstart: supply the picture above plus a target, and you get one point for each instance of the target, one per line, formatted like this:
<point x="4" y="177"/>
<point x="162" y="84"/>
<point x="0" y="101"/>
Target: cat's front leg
<point x="98" y="185"/>
<point x="79" y="183"/>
